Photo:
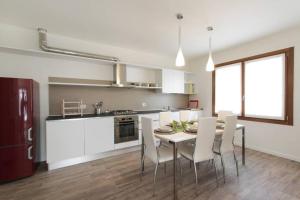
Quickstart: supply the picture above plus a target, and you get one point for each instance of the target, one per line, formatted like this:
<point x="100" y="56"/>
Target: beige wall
<point x="270" y="138"/>
<point x="113" y="98"/>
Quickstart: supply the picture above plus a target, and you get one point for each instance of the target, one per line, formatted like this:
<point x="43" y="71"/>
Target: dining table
<point x="176" y="138"/>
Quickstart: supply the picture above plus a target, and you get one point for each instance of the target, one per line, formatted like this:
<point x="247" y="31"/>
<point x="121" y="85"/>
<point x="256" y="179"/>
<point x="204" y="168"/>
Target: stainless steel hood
<point x="120" y="75"/>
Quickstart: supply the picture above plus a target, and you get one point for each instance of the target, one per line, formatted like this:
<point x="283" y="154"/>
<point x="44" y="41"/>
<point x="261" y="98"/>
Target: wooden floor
<point x="264" y="177"/>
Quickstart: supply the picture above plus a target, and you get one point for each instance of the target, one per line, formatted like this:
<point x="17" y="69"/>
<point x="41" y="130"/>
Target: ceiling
<point x="151" y="25"/>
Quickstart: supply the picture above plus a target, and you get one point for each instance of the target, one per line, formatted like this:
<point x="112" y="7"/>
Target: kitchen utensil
<point x="98" y="107"/>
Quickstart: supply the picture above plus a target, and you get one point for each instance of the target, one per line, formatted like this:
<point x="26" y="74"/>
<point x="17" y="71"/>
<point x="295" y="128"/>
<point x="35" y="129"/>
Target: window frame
<point x="289" y="85"/>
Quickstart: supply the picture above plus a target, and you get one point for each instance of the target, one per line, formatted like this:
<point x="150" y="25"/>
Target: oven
<point x="126" y="128"/>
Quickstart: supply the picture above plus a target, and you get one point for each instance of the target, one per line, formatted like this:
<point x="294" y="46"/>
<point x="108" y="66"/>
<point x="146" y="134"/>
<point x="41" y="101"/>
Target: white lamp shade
<point x="210" y="66"/>
<point x="180" y="62"/>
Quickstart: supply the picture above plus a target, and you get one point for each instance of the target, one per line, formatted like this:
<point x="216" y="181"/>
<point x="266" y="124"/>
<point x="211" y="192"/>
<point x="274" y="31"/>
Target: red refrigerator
<point x="19" y="127"/>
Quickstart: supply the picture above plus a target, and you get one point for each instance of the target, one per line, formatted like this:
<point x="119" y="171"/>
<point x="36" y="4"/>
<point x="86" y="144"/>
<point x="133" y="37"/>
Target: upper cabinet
<point x="172" y="81"/>
<point x="141" y="75"/>
<point x="189" y="83"/>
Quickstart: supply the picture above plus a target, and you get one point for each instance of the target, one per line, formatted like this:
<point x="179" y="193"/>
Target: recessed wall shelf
<point x="89" y="83"/>
<point x="78" y="82"/>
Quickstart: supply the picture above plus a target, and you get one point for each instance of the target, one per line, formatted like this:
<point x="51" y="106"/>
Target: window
<point x="258" y="88"/>
<point x="228" y="88"/>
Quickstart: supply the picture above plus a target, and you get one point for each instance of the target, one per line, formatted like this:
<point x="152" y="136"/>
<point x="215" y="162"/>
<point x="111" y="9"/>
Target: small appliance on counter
<point x="19" y="125"/>
<point x="98" y="107"/>
<point x="193" y="104"/>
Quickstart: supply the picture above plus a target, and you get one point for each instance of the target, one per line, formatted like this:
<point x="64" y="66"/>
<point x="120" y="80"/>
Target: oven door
<point x="125" y="131"/>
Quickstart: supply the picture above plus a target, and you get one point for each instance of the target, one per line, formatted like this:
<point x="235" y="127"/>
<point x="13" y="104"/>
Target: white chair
<point x="156" y="154"/>
<point x="223" y="113"/>
<point x="165" y="118"/>
<point x="224" y="143"/>
<point x="202" y="151"/>
<point x="184" y="115"/>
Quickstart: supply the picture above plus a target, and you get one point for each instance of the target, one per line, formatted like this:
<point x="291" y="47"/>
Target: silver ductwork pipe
<point x="44" y="46"/>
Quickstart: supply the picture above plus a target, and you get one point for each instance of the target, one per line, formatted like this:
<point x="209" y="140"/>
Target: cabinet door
<point x="99" y="135"/>
<point x="65" y="139"/>
<point x="172" y="81"/>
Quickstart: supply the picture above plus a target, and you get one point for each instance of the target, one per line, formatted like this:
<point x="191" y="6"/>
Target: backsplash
<point x="113" y="98"/>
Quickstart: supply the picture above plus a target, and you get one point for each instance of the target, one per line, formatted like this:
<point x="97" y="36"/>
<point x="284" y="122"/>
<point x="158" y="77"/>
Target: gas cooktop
<point x="124" y="112"/>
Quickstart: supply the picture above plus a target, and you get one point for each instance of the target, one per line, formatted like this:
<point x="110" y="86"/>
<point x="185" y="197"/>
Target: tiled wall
<point x="113" y="98"/>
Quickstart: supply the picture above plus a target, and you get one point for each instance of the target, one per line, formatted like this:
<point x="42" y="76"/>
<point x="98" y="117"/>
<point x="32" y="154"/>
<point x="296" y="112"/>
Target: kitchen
<point x="101" y="130"/>
<point x="89" y="81"/>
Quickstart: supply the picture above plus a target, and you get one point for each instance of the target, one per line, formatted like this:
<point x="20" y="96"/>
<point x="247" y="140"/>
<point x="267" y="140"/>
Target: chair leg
<point x="208" y="163"/>
<point x="180" y="166"/>
<point x="236" y="164"/>
<point x="214" y="164"/>
<point x="165" y="168"/>
<point x="142" y="165"/>
<point x="154" y="178"/>
<point x="196" y="175"/>
<point x="222" y="161"/>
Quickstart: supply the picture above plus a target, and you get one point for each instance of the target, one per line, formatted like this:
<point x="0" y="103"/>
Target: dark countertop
<point x="60" y="117"/>
<point x="140" y="112"/>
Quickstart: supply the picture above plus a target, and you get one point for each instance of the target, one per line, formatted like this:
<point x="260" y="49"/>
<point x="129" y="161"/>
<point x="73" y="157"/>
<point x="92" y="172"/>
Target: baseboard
<point x="274" y="153"/>
<point x="84" y="159"/>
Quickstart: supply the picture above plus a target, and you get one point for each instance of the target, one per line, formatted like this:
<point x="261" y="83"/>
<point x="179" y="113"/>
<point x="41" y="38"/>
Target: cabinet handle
<point x="29" y="153"/>
<point x="29" y="134"/>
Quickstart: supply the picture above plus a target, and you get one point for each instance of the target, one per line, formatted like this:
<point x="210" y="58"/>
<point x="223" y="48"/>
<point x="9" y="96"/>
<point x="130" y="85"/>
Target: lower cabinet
<point x="67" y="139"/>
<point x="64" y="139"/>
<point x="99" y="135"/>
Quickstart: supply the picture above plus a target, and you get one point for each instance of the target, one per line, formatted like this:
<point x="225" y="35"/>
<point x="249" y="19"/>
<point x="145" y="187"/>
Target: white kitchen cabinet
<point x="99" y="135"/>
<point x="64" y="139"/>
<point x="172" y="81"/>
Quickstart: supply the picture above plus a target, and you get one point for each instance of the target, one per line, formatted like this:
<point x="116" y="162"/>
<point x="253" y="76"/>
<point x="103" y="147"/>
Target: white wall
<point x="40" y="67"/>
<point x="270" y="138"/>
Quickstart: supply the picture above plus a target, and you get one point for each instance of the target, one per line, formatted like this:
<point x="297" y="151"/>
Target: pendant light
<point x="210" y="66"/>
<point x="180" y="62"/>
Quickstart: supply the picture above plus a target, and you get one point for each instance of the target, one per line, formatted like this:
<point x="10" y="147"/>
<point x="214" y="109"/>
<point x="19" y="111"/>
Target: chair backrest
<point x="184" y="115"/>
<point x="223" y="113"/>
<point x="205" y="139"/>
<point x="228" y="134"/>
<point x="165" y="118"/>
<point x="147" y="131"/>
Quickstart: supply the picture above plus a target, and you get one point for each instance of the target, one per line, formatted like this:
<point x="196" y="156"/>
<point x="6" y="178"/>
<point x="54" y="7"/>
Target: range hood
<point x="120" y="76"/>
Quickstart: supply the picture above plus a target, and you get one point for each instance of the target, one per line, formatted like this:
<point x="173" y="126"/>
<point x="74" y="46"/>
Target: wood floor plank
<point x="117" y="178"/>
